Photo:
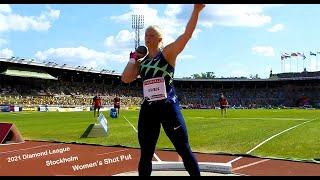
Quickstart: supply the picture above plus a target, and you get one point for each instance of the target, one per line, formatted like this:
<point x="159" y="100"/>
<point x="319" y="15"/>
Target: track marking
<point x="17" y="113"/>
<point x="283" y="119"/>
<point x="236" y="159"/>
<point x="29" y="148"/>
<point x="63" y="175"/>
<point x="113" y="152"/>
<point x="251" y="164"/>
<point x="11" y="144"/>
<point x="288" y="119"/>
<point x="130" y="124"/>
<point x="155" y="155"/>
<point x="13" y="114"/>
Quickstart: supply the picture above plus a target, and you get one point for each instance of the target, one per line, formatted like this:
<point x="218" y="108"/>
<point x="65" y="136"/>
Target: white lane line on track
<point x="158" y="159"/>
<point x="29" y="148"/>
<point x="251" y="164"/>
<point x="236" y="159"/>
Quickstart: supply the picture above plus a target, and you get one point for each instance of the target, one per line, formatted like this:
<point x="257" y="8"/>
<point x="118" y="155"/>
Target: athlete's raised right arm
<point x="131" y="71"/>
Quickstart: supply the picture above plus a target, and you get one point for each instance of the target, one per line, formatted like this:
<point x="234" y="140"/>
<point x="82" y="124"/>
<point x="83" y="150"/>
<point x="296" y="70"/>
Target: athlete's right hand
<point x="199" y="7"/>
<point x="133" y="55"/>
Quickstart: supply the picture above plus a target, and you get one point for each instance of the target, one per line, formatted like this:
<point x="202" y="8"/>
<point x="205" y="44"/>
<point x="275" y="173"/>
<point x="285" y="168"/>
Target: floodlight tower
<point x="137" y="24"/>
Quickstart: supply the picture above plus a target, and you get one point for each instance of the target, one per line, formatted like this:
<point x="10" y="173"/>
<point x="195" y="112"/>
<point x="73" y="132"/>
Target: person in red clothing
<point x="223" y="105"/>
<point x="116" y="105"/>
<point x="96" y="105"/>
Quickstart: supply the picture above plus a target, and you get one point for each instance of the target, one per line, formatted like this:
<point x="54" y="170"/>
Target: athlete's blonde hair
<point x="158" y="31"/>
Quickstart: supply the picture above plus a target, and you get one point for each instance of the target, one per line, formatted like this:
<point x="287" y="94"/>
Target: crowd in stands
<point x="303" y="74"/>
<point x="68" y="94"/>
<point x="60" y="93"/>
<point x="289" y="96"/>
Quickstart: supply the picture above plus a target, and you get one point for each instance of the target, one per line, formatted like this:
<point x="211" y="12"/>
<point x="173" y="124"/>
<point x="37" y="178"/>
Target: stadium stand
<point x="28" y="85"/>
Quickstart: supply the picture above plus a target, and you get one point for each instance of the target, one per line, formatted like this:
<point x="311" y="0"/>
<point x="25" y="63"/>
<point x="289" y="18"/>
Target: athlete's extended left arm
<point x="176" y="47"/>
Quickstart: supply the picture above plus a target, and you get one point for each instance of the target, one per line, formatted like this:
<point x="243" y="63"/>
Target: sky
<point x="231" y="40"/>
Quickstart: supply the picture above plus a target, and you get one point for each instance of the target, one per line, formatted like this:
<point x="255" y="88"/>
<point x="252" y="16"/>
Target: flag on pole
<point x="312" y="54"/>
<point x="302" y="55"/>
<point x="285" y="56"/>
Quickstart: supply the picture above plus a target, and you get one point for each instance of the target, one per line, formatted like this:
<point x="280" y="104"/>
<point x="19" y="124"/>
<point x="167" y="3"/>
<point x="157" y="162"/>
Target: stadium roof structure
<point x="246" y="79"/>
<point x="36" y="65"/>
<point x="32" y="73"/>
<point x="32" y="62"/>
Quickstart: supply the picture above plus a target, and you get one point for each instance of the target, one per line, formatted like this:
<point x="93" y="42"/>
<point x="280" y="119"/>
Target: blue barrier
<point x="4" y="108"/>
<point x="113" y="113"/>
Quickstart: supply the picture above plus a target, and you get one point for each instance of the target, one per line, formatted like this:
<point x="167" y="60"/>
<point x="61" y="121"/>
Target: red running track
<point x="62" y="159"/>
